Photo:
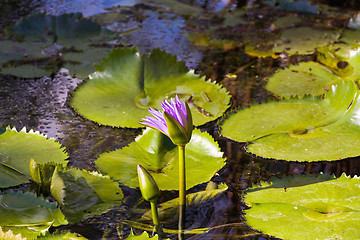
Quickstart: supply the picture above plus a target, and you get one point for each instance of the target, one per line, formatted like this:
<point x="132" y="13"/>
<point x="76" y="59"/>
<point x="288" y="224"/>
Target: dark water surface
<point x="41" y="104"/>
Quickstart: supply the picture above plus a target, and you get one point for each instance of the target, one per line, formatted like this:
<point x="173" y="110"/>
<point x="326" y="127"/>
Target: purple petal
<point x="154" y="123"/>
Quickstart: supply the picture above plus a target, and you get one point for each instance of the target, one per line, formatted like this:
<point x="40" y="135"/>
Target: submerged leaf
<point x="169" y="209"/>
<point x="306" y="207"/>
<point x="308" y="129"/>
<point x="51" y="42"/>
<point x="25" y="214"/>
<point x="158" y="155"/>
<point x="127" y="84"/>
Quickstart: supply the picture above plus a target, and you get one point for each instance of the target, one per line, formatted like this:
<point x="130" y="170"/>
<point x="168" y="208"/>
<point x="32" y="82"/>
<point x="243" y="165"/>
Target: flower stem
<point x="182" y="192"/>
<point x="155" y="216"/>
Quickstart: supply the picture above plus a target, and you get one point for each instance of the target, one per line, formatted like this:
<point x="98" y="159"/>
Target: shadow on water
<point x="41" y="104"/>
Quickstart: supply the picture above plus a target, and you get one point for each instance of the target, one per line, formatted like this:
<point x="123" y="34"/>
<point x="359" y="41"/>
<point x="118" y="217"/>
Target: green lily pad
<point x="338" y="62"/>
<point x="158" y="155"/>
<point x="10" y="177"/>
<point x="308" y="129"/>
<point x="88" y="194"/>
<point x="127" y="84"/>
<point x="17" y="148"/>
<point x="61" y="236"/>
<point x="298" y="80"/>
<point x="304" y="40"/>
<point x="25" y="214"/>
<point x="306" y="207"/>
<point x="51" y="42"/>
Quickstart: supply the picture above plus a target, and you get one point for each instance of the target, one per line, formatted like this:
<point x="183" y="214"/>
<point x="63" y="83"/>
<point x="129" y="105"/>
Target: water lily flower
<point x="175" y="121"/>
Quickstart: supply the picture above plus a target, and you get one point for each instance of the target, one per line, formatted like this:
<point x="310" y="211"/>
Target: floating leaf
<point x="338" y="62"/>
<point x="304" y="40"/>
<point x="305" y="78"/>
<point x="49" y="42"/>
<point x="308" y="129"/>
<point x="306" y="207"/>
<point x="127" y="84"/>
<point x="88" y="194"/>
<point x="20" y="147"/>
<point x="25" y="214"/>
<point x="158" y="155"/>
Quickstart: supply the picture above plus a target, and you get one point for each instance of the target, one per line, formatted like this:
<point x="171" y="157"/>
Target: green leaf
<point x="310" y="78"/>
<point x="304" y="40"/>
<point x="20" y="147"/>
<point x="88" y="194"/>
<point x="127" y="84"/>
<point x="338" y="62"/>
<point x="63" y="235"/>
<point x="306" y="207"/>
<point x="25" y="214"/>
<point x="308" y="129"/>
<point x="10" y="177"/>
<point x="159" y="156"/>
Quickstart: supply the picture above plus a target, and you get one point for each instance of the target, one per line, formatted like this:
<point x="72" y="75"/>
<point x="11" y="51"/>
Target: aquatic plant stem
<point x="155" y="216"/>
<point x="182" y="191"/>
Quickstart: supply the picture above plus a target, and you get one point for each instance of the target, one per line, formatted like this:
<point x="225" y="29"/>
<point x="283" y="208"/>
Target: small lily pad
<point x="88" y="194"/>
<point x="339" y="62"/>
<point x="158" y="155"/>
<point x="308" y="129"/>
<point x="306" y="207"/>
<point x="17" y="148"/>
<point x="25" y="214"/>
<point x="304" y="40"/>
<point x="126" y="84"/>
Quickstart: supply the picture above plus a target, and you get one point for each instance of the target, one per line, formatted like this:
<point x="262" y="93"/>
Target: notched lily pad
<point x="17" y="148"/>
<point x="308" y="129"/>
<point x="126" y="84"/>
<point x="88" y="194"/>
<point x="157" y="154"/>
<point x="292" y="207"/>
<point x="339" y="62"/>
<point x="304" y="40"/>
<point x="25" y="214"/>
<point x="47" y="43"/>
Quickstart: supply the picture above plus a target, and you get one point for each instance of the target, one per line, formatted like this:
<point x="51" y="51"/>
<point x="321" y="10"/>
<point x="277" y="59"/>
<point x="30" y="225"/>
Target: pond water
<point x="41" y="104"/>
